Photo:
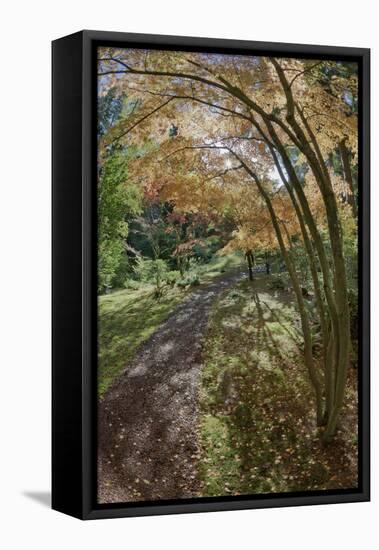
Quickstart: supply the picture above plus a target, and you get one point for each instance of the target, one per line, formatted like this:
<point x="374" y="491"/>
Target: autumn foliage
<point x="264" y="150"/>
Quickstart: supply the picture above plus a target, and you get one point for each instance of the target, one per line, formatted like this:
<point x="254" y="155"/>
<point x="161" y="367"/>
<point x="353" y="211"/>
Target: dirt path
<point x="147" y="421"/>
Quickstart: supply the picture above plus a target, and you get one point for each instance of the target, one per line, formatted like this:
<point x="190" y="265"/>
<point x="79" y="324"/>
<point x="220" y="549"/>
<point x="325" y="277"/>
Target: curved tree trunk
<point x="321" y="174"/>
<point x="308" y="353"/>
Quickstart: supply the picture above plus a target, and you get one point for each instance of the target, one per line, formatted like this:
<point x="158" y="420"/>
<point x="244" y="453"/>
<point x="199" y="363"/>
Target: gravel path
<point x="147" y="421"/>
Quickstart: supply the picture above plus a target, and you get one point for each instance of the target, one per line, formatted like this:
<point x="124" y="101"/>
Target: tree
<point x="283" y="117"/>
<point x="117" y="199"/>
<point x="155" y="271"/>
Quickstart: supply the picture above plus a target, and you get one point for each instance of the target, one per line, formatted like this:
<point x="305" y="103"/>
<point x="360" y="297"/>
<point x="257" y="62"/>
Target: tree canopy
<point x="262" y="152"/>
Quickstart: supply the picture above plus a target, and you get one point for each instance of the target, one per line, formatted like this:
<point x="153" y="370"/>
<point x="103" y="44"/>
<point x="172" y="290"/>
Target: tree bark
<point x="321" y="174"/>
<point x="348" y="175"/>
<point x="250" y="265"/>
<point x="308" y="353"/>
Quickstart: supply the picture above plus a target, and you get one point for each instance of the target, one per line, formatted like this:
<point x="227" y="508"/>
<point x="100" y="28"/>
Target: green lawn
<point x="219" y="265"/>
<point x="128" y="317"/>
<point x="257" y="427"/>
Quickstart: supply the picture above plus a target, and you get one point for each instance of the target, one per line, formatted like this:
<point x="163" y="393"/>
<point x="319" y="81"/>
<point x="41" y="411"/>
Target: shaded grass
<point x="126" y="319"/>
<point x="258" y="430"/>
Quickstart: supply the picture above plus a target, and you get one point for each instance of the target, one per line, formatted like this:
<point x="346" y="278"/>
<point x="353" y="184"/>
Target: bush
<point x="154" y="272"/>
<point x="191" y="279"/>
<point x="194" y="279"/>
<point x="110" y="253"/>
<point x="172" y="277"/>
<point x="148" y="270"/>
<point x="124" y="272"/>
<point x="132" y="284"/>
<point x="202" y="254"/>
<point x="277" y="282"/>
<point x="205" y="250"/>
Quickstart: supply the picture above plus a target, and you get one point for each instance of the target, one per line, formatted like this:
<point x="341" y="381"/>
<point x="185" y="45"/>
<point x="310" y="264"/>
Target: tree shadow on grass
<point x="260" y="433"/>
<point x="266" y="319"/>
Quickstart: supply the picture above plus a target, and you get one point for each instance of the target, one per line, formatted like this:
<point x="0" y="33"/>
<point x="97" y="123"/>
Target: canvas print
<point x="227" y="275"/>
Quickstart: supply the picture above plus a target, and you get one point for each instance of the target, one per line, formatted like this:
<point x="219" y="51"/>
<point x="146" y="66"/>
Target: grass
<point x="257" y="428"/>
<point x="219" y="265"/>
<point x="126" y="318"/>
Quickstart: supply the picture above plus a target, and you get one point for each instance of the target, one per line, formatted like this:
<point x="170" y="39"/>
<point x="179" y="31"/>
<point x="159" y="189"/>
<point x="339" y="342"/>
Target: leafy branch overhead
<point x="260" y="152"/>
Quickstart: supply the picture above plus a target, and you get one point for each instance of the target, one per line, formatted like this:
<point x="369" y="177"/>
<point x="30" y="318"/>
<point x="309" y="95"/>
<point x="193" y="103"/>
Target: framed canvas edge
<point x="90" y="510"/>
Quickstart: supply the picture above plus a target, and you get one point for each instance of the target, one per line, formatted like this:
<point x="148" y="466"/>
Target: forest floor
<point x="258" y="427"/>
<point x="148" y="420"/>
<point x="216" y="401"/>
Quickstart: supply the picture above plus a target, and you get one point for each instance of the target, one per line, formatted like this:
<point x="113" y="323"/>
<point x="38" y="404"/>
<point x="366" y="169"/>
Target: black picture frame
<point x="74" y="275"/>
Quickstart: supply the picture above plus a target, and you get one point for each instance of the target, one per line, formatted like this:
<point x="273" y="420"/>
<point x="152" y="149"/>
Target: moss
<point x="220" y="469"/>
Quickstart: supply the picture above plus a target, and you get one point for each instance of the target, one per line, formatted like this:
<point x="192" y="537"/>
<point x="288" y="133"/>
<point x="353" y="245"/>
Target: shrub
<point x="191" y="279"/>
<point x="154" y="272"/>
<point x="277" y="282"/>
<point x="194" y="279"/>
<point x="110" y="252"/>
<point x="202" y="253"/>
<point x="172" y="277"/>
<point x="131" y="284"/>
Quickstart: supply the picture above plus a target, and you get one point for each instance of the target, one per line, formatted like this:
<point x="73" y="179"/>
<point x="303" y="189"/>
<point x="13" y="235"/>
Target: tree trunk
<point x="250" y="265"/>
<point x="268" y="266"/>
<point x="322" y="176"/>
<point x="348" y="175"/>
<point x="308" y="353"/>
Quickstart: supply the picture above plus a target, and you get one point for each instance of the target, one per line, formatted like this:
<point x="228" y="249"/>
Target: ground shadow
<point x="42" y="497"/>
